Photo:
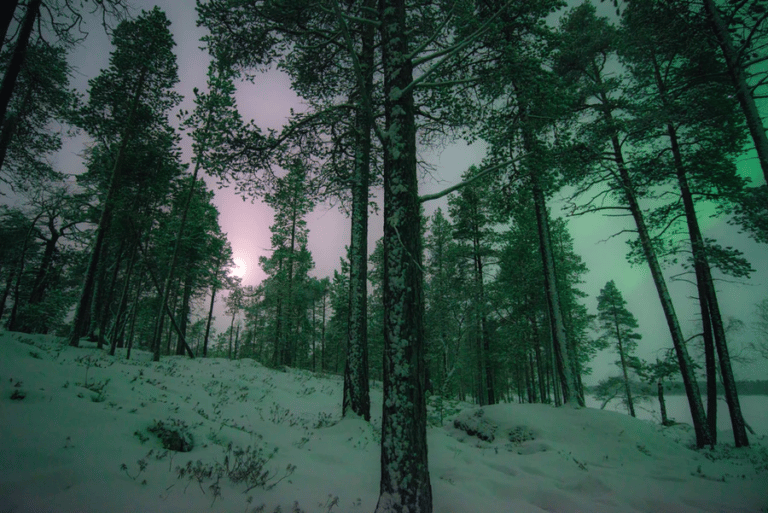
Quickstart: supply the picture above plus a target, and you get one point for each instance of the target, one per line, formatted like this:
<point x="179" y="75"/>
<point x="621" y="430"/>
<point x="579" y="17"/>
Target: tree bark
<point x="624" y="183"/>
<point x="210" y="309"/>
<point x="405" y="486"/>
<point x="17" y="59"/>
<point x="356" y="396"/>
<point x="703" y="272"/>
<point x="6" y="17"/>
<point x="564" y="367"/>
<point x="743" y="94"/>
<point x="662" y="405"/>
<point x="120" y="318"/>
<point x="19" y="275"/>
<point x="710" y="309"/>
<point x="627" y="389"/>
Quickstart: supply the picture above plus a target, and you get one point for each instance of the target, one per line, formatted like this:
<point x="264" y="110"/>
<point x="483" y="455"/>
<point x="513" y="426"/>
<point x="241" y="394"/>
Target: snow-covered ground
<point x="68" y="447"/>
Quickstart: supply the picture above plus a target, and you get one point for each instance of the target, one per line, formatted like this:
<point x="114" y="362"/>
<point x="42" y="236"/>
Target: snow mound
<point x="88" y="436"/>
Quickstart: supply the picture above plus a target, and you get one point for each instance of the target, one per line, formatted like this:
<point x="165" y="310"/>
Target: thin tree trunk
<point x="703" y="272"/>
<point x="356" y="396"/>
<point x="662" y="405"/>
<point x="185" y="310"/>
<point x="6" y="291"/>
<point x="123" y="305"/>
<point x="6" y="17"/>
<point x="405" y="485"/>
<point x="107" y="301"/>
<point x="17" y="59"/>
<point x="322" y="336"/>
<point x="622" y="357"/>
<point x="703" y="436"/>
<point x="738" y="77"/>
<point x="19" y="274"/>
<point x="567" y="383"/>
<point x="210" y="309"/>
<point x="231" y="332"/>
<point x="81" y="316"/>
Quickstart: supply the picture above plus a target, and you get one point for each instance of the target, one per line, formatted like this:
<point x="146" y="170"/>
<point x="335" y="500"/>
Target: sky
<point x="534" y="458"/>
<point x="268" y="101"/>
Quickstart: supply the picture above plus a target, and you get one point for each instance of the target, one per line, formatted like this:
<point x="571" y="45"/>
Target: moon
<point x="241" y="267"/>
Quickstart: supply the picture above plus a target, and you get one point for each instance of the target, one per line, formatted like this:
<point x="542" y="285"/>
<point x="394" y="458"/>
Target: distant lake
<point x="753" y="407"/>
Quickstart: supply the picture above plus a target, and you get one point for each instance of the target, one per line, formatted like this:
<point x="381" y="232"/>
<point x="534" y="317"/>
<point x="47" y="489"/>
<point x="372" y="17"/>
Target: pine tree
<point x="128" y="102"/>
<point x="585" y="42"/>
<point x="618" y="325"/>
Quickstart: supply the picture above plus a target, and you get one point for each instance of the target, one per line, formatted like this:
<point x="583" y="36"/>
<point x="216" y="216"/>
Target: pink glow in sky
<point x="269" y="100"/>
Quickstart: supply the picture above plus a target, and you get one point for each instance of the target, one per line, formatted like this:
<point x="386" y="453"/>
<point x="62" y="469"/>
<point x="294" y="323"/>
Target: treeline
<point x="644" y="117"/>
<point x="753" y="387"/>
<point x="133" y="242"/>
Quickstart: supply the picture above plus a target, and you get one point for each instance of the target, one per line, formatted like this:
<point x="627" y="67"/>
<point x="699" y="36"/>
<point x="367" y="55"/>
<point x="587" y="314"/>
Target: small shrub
<point x="142" y="463"/>
<point x="241" y="466"/>
<point x="173" y="434"/>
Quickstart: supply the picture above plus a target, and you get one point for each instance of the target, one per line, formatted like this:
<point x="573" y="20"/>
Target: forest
<point x="645" y="114"/>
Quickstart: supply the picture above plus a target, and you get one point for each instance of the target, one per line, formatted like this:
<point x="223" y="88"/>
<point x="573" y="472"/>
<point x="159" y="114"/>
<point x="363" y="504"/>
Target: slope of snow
<point x="69" y="448"/>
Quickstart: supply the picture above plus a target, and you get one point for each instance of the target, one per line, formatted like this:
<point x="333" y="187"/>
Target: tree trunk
<point x="38" y="289"/>
<point x="210" y="309"/>
<point x="322" y="335"/>
<point x="6" y="17"/>
<point x="17" y="59"/>
<point x="624" y="182"/>
<point x="703" y="437"/>
<point x="176" y="246"/>
<point x="738" y="77"/>
<point x="405" y="486"/>
<point x="662" y="405"/>
<point x="627" y="388"/>
<point x="19" y="275"/>
<point x="356" y="396"/>
<point x="184" y="310"/>
<point x="6" y="291"/>
<point x="564" y="367"/>
<point x="81" y="315"/>
<point x="704" y="273"/>
<point x="120" y="318"/>
<point x="231" y="332"/>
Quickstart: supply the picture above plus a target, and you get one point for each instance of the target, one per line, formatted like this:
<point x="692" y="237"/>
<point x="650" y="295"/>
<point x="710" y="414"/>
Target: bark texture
<point x="405" y="486"/>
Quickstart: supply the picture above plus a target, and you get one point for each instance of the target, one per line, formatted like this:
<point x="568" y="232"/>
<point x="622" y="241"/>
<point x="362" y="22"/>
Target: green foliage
<point x="615" y="321"/>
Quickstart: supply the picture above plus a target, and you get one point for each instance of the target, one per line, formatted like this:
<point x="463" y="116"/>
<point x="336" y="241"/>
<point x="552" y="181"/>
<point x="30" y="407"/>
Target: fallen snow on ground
<point x="77" y="436"/>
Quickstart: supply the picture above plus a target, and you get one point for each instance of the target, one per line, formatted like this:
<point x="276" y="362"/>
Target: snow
<point x="64" y="444"/>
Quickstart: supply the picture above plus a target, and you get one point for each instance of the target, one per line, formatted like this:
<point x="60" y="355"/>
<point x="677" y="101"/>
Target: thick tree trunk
<point x="738" y="77"/>
<point x="405" y="486"/>
<point x="356" y="396"/>
<point x="80" y="323"/>
<point x="564" y="367"/>
<point x="17" y="59"/>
